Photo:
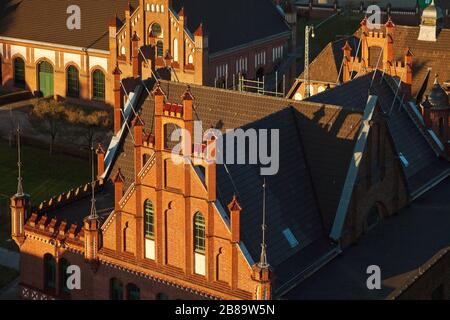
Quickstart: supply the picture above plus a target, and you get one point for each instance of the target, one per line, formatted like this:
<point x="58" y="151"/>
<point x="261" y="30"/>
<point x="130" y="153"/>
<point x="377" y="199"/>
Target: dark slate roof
<point x="233" y="23"/>
<point x="408" y="139"/>
<point x="75" y="212"/>
<point x="426" y="55"/>
<point x="45" y="21"/>
<point x="398" y="245"/>
<point x="309" y="133"/>
<point x="229" y="23"/>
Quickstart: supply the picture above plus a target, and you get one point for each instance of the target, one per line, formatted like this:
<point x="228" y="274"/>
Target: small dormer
<point x="431" y="22"/>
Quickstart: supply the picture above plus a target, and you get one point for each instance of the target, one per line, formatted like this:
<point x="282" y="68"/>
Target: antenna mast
<point x="19" y="165"/>
<point x="263" y="259"/>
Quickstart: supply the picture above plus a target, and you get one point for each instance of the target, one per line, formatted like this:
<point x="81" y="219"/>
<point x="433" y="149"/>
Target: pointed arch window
<point x="199" y="233"/>
<point x="49" y="272"/>
<point x="19" y="73"/>
<point x="73" y="82"/>
<point x="98" y="85"/>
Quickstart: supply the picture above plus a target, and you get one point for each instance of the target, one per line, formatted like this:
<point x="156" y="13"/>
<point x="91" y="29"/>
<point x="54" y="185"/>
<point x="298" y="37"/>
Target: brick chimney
<point x="135" y="55"/>
<point x="91" y="238"/>
<point x="100" y="160"/>
<point x="19" y="211"/>
<point x="159" y="107"/>
<point x="210" y="169"/>
<point x="117" y="100"/>
<point x="235" y="213"/>
<point x="408" y="76"/>
<point x="119" y="180"/>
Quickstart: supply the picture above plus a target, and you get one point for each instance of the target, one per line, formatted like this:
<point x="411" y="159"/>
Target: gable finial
<point x="19" y="165"/>
<point x="263" y="258"/>
<point x="93" y="214"/>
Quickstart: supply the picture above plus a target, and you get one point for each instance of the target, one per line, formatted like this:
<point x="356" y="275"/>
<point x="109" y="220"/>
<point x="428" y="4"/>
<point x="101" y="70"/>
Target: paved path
<point x="9" y="258"/>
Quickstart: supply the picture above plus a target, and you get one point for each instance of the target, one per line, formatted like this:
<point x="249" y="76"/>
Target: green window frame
<point x="116" y="289"/>
<point x="19" y="73"/>
<point x="73" y="82"/>
<point x="49" y="271"/>
<point x="160" y="48"/>
<point x="133" y="292"/>
<point x="199" y="233"/>
<point x="64" y="264"/>
<point x="98" y="85"/>
<point x="156" y="30"/>
<point x="149" y="219"/>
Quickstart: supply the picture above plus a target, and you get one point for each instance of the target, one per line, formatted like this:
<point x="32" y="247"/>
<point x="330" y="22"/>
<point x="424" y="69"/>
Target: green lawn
<point x="43" y="177"/>
<point x="7" y="275"/>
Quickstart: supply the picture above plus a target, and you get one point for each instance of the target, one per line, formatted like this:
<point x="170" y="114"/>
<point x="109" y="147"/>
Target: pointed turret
<point x="19" y="202"/>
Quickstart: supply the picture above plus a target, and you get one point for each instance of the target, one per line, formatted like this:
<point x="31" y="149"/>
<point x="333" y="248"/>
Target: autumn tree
<point x="47" y="116"/>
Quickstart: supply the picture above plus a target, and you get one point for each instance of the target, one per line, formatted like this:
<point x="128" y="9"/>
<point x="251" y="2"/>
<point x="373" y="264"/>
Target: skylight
<point x="293" y="242"/>
<point x="404" y="160"/>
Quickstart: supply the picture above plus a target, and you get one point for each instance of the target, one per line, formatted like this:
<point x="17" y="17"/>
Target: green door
<point x="46" y="79"/>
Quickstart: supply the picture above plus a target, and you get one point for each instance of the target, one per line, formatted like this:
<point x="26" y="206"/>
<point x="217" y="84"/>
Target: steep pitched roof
<point x="45" y="21"/>
<point x="309" y="133"/>
<point x="426" y="55"/>
<point x="408" y="139"/>
<point x="233" y="23"/>
<point x="229" y="23"/>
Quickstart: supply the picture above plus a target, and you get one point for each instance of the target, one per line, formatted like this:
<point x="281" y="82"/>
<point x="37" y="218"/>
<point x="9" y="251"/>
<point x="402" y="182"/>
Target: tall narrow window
<point x="149" y="229"/>
<point x="149" y="218"/>
<point x="199" y="244"/>
<point x="19" y="73"/>
<point x="159" y="48"/>
<point x="116" y="289"/>
<point x="49" y="271"/>
<point x="199" y="233"/>
<point x="133" y="292"/>
<point x="175" y="49"/>
<point x="64" y="264"/>
<point x="73" y="82"/>
<point x="98" y="85"/>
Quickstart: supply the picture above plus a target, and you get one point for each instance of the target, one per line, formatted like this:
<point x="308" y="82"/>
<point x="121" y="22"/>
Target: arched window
<point x="98" y="85"/>
<point x="175" y="49"/>
<point x="116" y="289"/>
<point x="156" y="30"/>
<point x="162" y="296"/>
<point x="122" y="50"/>
<point x="19" y="72"/>
<point x="199" y="244"/>
<point x="133" y="292"/>
<point x="49" y="271"/>
<point x="73" y="82"/>
<point x="64" y="264"/>
<point x="191" y="59"/>
<point x="149" y="219"/>
<point x="160" y="48"/>
<point x="199" y="233"/>
<point x="298" y="96"/>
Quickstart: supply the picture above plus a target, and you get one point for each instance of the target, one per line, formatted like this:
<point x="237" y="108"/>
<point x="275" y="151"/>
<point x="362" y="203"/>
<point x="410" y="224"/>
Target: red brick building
<point x="183" y="40"/>
<point x="193" y="230"/>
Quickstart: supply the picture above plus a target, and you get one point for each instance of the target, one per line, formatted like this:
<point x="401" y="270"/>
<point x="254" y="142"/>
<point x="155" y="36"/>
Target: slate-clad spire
<point x="19" y="165"/>
<point x="263" y="258"/>
<point x="93" y="214"/>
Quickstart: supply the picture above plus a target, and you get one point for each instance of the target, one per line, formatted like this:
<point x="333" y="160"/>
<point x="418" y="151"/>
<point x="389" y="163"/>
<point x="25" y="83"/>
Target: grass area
<point x="7" y="275"/>
<point x="333" y="29"/>
<point x="43" y="177"/>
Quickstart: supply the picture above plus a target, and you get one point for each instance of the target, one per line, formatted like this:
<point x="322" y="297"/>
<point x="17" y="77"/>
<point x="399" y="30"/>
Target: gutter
<point x="248" y="44"/>
<point x="59" y="46"/>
